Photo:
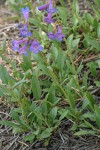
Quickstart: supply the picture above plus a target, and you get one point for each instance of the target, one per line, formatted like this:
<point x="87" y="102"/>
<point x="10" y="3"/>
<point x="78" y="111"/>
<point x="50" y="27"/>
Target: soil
<point x="63" y="138"/>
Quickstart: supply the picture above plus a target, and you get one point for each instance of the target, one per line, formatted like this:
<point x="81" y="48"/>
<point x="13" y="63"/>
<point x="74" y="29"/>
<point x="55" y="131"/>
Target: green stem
<point x="57" y="83"/>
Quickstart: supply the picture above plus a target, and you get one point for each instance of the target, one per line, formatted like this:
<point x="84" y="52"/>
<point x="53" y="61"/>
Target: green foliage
<point x="55" y="84"/>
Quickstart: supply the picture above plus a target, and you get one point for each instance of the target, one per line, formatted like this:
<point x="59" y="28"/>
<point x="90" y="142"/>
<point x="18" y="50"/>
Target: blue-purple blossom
<point x="20" y="25"/>
<point x="43" y="7"/>
<point x="24" y="32"/>
<point x="51" y="8"/>
<point x="16" y="43"/>
<point x="25" y="11"/>
<point x="35" y="47"/>
<point x="52" y="35"/>
<point x="59" y="35"/>
<point x="22" y="50"/>
<point x="49" y="19"/>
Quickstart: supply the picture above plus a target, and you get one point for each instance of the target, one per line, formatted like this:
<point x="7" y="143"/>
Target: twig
<point x="23" y="143"/>
<point x="9" y="148"/>
<point x="8" y="27"/>
<point x="96" y="90"/>
<point x="4" y="113"/>
<point x="90" y="59"/>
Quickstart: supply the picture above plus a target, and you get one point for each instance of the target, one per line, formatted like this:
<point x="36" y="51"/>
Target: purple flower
<point x="43" y="7"/>
<point x="52" y="35"/>
<point x="20" y="25"/>
<point x="59" y="34"/>
<point x="36" y="47"/>
<point x="51" y="9"/>
<point x="23" y="49"/>
<point x="24" y="31"/>
<point x="16" y="43"/>
<point x="25" y="11"/>
<point x="49" y="19"/>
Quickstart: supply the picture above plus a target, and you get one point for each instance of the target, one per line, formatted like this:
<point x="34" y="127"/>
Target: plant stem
<point x="57" y="83"/>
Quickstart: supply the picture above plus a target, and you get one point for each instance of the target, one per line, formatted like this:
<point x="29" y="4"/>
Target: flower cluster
<point x="50" y="10"/>
<point x="58" y="35"/>
<point x="25" y="42"/>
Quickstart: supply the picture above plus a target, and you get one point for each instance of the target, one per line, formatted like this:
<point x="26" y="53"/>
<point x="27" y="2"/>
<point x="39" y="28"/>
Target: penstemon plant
<point x="47" y="88"/>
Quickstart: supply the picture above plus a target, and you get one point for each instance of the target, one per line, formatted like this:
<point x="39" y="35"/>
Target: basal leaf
<point x="36" y="86"/>
<point x="4" y="75"/>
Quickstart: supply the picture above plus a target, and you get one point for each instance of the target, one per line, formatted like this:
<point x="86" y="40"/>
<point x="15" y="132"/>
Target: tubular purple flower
<point x="51" y="8"/>
<point x="49" y="19"/>
<point x="52" y="35"/>
<point x="35" y="47"/>
<point x="25" y="11"/>
<point x="20" y="25"/>
<point x="59" y="34"/>
<point x="24" y="31"/>
<point x="43" y="7"/>
<point x="23" y="49"/>
<point x="17" y="43"/>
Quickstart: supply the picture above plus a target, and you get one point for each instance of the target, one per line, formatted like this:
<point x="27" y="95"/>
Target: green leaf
<point x="93" y="67"/>
<point x="9" y="123"/>
<point x="20" y="82"/>
<point x="89" y="115"/>
<point x="89" y="125"/>
<point x="26" y="64"/>
<point x="4" y="75"/>
<point x="44" y="108"/>
<point x="63" y="115"/>
<point x="16" y="117"/>
<point x="36" y="86"/>
<point x="79" y="68"/>
<point x="51" y="95"/>
<point x="60" y="60"/>
<point x="62" y="3"/>
<point x="37" y="23"/>
<point x="85" y="78"/>
<point x="29" y="137"/>
<point x="1" y="93"/>
<point x="76" y="6"/>
<point x="89" y="18"/>
<point x="93" y="42"/>
<point x="98" y="31"/>
<point x="84" y="132"/>
<point x="17" y="130"/>
<point x="75" y="43"/>
<point x="90" y="99"/>
<point x="63" y="14"/>
<point x="69" y="42"/>
<point x="4" y="90"/>
<point x="97" y="114"/>
<point x="53" y="113"/>
<point x="97" y="83"/>
<point x="71" y="98"/>
<point x="4" y="44"/>
<point x="46" y="133"/>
